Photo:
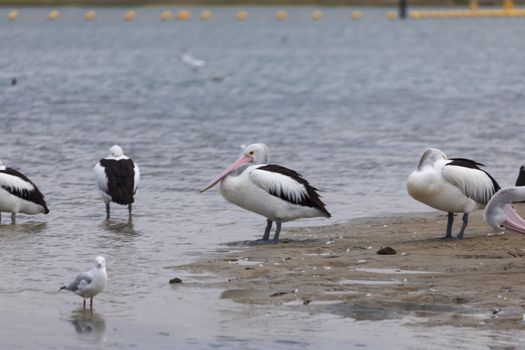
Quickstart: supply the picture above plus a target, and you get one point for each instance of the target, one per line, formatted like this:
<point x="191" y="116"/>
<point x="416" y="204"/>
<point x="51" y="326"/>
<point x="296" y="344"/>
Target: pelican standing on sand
<point x="273" y="191"/>
<point x="455" y="185"/>
<point x="118" y="178"/>
<point x="499" y="212"/>
<point x="88" y="284"/>
<point x="18" y="194"/>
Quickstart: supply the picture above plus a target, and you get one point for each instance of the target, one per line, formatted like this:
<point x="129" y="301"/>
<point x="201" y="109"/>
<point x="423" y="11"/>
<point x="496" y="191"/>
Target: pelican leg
<point x="0" y="217"/>
<point x="449" y="226"/>
<point x="13" y="218"/>
<point x="84" y="304"/>
<point x="464" y="226"/>
<point x="107" y="211"/>
<point x="277" y="231"/>
<point x="266" y="235"/>
<point x="129" y="209"/>
<point x="91" y="304"/>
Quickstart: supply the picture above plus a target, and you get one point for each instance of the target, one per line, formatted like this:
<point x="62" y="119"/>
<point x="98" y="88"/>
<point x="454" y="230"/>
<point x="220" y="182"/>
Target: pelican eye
<point x="251" y="153"/>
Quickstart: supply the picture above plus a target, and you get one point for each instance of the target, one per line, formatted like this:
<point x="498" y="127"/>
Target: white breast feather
<point x="102" y="179"/>
<point x="474" y="183"/>
<point x="136" y="179"/>
<point x="278" y="184"/>
<point x="15" y="182"/>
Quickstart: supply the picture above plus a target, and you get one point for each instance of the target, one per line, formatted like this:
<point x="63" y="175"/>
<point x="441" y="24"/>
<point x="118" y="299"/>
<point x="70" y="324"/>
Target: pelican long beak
<point x="513" y="221"/>
<point x="243" y="160"/>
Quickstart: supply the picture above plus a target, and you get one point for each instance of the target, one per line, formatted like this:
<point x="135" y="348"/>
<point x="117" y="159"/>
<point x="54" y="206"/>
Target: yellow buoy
<point x="130" y="15"/>
<point x="12" y="15"/>
<point x="473" y="5"/>
<point x="53" y="15"/>
<point x="357" y="15"/>
<point x="205" y="15"/>
<point x="183" y="15"/>
<point x="166" y="15"/>
<point x="241" y="15"/>
<point x="415" y="15"/>
<point x="281" y="15"/>
<point x="88" y="16"/>
<point x="316" y="15"/>
<point x="391" y="15"/>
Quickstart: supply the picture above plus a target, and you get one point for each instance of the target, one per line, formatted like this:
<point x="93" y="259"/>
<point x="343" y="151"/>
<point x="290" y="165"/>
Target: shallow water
<point x="349" y="104"/>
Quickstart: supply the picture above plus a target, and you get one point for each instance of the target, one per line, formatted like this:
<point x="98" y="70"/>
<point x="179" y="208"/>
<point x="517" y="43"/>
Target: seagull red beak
<point x="241" y="161"/>
<point x="513" y="221"/>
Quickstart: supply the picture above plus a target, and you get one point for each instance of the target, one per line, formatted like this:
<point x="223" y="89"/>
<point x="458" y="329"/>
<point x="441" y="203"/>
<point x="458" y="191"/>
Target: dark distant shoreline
<point x="199" y="3"/>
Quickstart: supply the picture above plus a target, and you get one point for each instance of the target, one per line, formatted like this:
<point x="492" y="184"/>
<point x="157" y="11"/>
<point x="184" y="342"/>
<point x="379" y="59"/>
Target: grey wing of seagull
<point x="82" y="279"/>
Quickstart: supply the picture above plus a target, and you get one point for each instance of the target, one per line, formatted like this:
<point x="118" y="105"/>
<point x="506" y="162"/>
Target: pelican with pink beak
<point x="273" y="191"/>
<point x="499" y="212"/>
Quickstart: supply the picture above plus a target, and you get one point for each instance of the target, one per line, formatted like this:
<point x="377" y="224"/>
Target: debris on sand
<point x="386" y="251"/>
<point x="175" y="280"/>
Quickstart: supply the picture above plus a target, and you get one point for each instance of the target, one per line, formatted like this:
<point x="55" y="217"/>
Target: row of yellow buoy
<point x="184" y="15"/>
<point x="467" y="14"/>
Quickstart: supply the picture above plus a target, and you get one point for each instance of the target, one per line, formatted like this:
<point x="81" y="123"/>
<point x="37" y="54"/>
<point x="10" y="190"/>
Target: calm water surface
<point x="349" y="104"/>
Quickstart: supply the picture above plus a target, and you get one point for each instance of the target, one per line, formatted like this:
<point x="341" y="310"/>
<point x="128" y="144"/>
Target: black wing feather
<point x="121" y="179"/>
<point x="34" y="196"/>
<point x="312" y="199"/>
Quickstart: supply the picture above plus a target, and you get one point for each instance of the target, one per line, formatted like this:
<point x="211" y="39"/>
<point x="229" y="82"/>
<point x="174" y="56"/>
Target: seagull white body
<point x="275" y="192"/>
<point x="18" y="194"/>
<point x="192" y="61"/>
<point x="454" y="185"/>
<point x="499" y="212"/>
<point x="118" y="178"/>
<point x="90" y="283"/>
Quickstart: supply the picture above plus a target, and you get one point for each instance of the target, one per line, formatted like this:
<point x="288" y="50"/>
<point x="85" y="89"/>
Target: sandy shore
<point x="478" y="281"/>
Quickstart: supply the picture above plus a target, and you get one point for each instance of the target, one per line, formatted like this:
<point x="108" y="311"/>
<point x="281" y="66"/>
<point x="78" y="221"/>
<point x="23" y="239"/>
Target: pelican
<point x="273" y="191"/>
<point x="499" y="212"/>
<point x="454" y="185"/>
<point x="88" y="284"/>
<point x="118" y="178"/>
<point x="18" y="194"/>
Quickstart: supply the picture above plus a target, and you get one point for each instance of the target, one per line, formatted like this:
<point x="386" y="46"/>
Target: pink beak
<point x="243" y="160"/>
<point x="513" y="221"/>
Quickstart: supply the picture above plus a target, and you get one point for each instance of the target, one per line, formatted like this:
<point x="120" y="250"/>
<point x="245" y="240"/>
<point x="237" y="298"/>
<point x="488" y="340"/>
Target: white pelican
<point x="18" y="194"/>
<point x="499" y="212"/>
<point x="90" y="283"/>
<point x="118" y="178"/>
<point x="455" y="185"/>
<point x="273" y="191"/>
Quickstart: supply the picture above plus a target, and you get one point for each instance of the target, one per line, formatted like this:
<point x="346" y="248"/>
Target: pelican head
<point x="100" y="262"/>
<point x="430" y="156"/>
<point x="116" y="151"/>
<point x="257" y="153"/>
<point x="499" y="212"/>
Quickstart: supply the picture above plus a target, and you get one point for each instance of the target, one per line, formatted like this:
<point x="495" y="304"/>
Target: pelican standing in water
<point x="273" y="191"/>
<point x="499" y="212"/>
<point x="118" y="178"/>
<point x="18" y="194"/>
<point x="88" y="284"/>
<point x="454" y="185"/>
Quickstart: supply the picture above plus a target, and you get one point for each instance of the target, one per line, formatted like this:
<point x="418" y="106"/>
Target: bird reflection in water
<point x="88" y="323"/>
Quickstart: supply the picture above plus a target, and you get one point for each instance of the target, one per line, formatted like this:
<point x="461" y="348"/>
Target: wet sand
<point x="477" y="282"/>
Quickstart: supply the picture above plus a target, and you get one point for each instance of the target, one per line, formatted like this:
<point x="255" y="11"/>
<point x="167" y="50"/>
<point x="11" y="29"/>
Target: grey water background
<point x="349" y="104"/>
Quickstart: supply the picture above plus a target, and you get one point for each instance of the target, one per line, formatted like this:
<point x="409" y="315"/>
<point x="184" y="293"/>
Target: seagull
<point x="88" y="284"/>
<point x="18" y="194"/>
<point x="118" y="178"/>
<point x="499" y="212"/>
<point x="270" y="190"/>
<point x="192" y="61"/>
<point x="454" y="185"/>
